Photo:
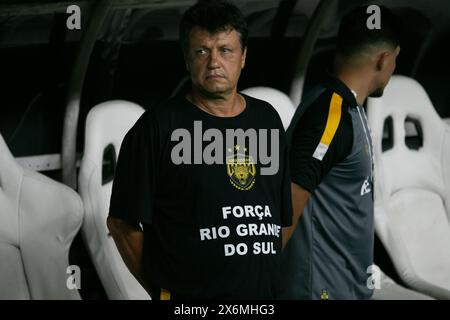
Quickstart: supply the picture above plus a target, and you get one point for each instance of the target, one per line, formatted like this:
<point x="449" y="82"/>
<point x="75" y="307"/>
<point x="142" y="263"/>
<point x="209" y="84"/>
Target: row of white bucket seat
<point x="40" y="217"/>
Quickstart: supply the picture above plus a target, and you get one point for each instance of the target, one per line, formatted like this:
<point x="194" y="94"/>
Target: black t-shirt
<point x="210" y="230"/>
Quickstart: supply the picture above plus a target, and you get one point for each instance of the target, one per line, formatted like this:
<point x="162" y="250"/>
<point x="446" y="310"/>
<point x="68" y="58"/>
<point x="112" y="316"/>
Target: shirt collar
<point x="340" y="88"/>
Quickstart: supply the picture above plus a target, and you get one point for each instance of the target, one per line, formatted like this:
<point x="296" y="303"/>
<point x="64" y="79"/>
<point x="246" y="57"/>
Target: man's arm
<point x="129" y="242"/>
<point x="299" y="198"/>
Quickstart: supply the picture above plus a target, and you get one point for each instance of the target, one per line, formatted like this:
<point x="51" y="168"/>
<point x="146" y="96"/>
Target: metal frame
<point x="44" y="162"/>
<point x="324" y="8"/>
<point x="39" y="8"/>
<point x="69" y="138"/>
<point x="42" y="7"/>
<point x="281" y="20"/>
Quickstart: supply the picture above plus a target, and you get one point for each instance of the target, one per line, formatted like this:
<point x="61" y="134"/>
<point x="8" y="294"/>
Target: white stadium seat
<point x="412" y="187"/>
<point x="106" y="126"/>
<point x="390" y="290"/>
<point x="39" y="218"/>
<point x="279" y="100"/>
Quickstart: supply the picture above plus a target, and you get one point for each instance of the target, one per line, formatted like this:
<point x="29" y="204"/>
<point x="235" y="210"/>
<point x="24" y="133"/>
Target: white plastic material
<point x="39" y="218"/>
<point x="279" y="100"/>
<point x="106" y="124"/>
<point x="412" y="188"/>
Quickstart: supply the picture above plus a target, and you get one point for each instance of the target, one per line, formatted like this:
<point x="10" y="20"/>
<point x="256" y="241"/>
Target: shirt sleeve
<point x="134" y="181"/>
<point x="322" y="138"/>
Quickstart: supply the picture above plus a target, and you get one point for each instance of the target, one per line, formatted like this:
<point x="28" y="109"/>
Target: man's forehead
<point x="204" y="35"/>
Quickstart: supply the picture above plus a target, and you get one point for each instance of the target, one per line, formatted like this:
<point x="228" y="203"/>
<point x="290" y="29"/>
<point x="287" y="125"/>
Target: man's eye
<point x="226" y="50"/>
<point x="201" y="51"/>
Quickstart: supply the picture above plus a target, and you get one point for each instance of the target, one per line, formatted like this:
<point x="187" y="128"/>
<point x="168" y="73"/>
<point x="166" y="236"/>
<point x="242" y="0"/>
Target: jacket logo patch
<point x="365" y="188"/>
<point x="324" y="295"/>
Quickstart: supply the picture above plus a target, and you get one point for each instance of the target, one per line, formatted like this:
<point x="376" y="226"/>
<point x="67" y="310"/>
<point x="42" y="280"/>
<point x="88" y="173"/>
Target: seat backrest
<point x="106" y="126"/>
<point x="279" y="100"/>
<point x="412" y="185"/>
<point x="39" y="219"/>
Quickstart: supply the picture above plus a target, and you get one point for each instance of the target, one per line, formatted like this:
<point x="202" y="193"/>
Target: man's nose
<point x="213" y="62"/>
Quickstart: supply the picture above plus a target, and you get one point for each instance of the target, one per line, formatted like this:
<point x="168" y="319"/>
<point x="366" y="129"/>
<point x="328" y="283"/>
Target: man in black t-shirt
<point x="202" y="186"/>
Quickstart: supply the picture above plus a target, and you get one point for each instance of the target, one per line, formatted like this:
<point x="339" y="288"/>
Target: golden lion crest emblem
<point x="242" y="171"/>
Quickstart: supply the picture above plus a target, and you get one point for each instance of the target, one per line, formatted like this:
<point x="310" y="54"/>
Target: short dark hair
<point x="213" y="16"/>
<point x="354" y="36"/>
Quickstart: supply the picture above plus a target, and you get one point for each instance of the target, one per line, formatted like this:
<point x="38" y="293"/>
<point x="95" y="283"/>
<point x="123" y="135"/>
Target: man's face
<point x="215" y="61"/>
<point x="387" y="69"/>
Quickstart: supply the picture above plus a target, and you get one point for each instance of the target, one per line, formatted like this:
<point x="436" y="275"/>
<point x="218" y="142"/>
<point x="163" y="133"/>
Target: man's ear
<point x="186" y="61"/>
<point x="244" y="56"/>
<point x="382" y="60"/>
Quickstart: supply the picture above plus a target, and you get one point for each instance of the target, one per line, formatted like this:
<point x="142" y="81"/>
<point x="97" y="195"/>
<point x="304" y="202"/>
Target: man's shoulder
<point x="168" y="106"/>
<point x="162" y="111"/>
<point x="325" y="114"/>
<point x="261" y="105"/>
<point x="323" y="97"/>
<point x="325" y="100"/>
<point x="263" y="109"/>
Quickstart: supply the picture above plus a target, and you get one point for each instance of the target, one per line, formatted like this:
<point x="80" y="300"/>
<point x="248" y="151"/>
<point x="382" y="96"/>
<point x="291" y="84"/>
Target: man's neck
<point x="357" y="82"/>
<point x="220" y="106"/>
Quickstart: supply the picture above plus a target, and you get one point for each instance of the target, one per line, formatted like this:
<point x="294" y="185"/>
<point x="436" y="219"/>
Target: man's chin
<point x="214" y="91"/>
<point x="377" y="93"/>
<point x="212" y="94"/>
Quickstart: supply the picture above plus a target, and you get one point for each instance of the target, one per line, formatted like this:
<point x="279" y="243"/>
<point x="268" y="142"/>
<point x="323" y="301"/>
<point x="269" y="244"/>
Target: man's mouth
<point x="214" y="77"/>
